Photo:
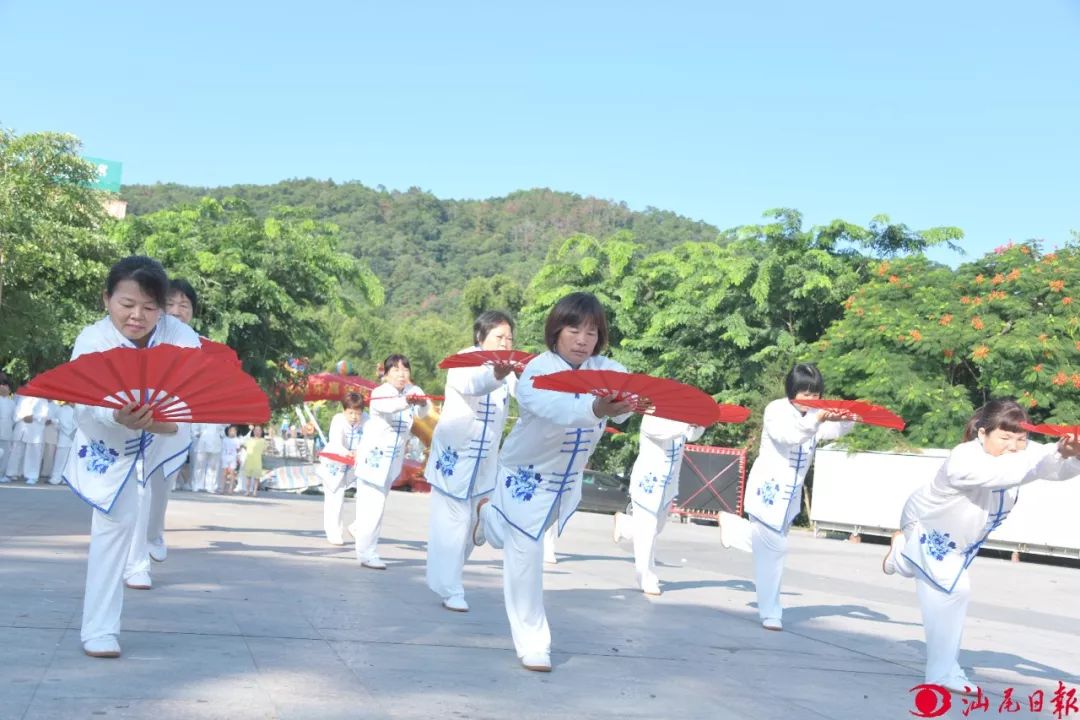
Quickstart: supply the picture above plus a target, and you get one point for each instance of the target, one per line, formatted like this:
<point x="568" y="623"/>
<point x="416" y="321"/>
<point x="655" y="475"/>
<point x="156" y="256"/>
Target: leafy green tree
<point x="261" y="281"/>
<point x="54" y="253"/>
<point x="498" y="292"/>
<point x="933" y="344"/>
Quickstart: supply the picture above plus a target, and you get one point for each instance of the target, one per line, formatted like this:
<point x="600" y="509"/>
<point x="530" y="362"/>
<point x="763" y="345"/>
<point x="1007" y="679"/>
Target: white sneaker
<point x="456" y="603"/>
<point x="31" y="482"/>
<point x="102" y="647"/>
<point x="772" y="624"/>
<point x="374" y="563"/>
<point x="336" y="541"/>
<point x="888" y="565"/>
<point x="139" y="581"/>
<point x="158" y="551"/>
<point x="650" y="585"/>
<point x="537" y="662"/>
<point x="616" y="531"/>
<point x="478" y="537"/>
<point x="5" y="479"/>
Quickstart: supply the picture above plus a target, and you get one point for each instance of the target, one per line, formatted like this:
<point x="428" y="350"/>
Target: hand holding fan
<point x="1053" y="430"/>
<point x="476" y="358"/>
<point x="654" y="396"/>
<point x="181" y="384"/>
<point x="863" y="412"/>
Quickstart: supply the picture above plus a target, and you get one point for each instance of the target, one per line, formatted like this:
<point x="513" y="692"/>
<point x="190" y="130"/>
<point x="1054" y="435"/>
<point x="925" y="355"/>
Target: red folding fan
<point x="328" y="386"/>
<point x="656" y="396"/>
<point x="864" y="412"/>
<point x="476" y="358"/>
<point x="216" y="348"/>
<point x="343" y="459"/>
<point x="1054" y="430"/>
<point x="182" y="384"/>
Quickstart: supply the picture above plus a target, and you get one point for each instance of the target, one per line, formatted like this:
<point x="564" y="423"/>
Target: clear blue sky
<point x="962" y="112"/>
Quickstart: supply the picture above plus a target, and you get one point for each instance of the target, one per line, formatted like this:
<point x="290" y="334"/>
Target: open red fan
<point x="182" y="384"/>
<point x="1054" y="430"/>
<point x="864" y="412"/>
<point x="668" y="398"/>
<point x="476" y="358"/>
<point x="727" y="413"/>
<point x="216" y="348"/>
<point x="328" y="386"/>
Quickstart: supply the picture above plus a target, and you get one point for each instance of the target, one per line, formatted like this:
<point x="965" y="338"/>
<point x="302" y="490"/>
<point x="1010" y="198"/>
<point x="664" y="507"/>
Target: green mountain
<point x="423" y="248"/>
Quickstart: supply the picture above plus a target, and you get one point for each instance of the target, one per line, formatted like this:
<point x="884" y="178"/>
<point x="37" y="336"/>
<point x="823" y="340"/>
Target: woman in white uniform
<point x="7" y="424"/>
<point x="381" y="452"/>
<point x="654" y="483"/>
<point x="464" y="456"/>
<point x="341" y="442"/>
<point x="110" y="445"/>
<point x="790" y="435"/>
<point x="947" y="521"/>
<point x="541" y="463"/>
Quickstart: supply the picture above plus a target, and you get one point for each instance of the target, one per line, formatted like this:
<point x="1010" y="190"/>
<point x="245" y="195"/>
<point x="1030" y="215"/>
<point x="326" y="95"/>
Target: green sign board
<point x="108" y="174"/>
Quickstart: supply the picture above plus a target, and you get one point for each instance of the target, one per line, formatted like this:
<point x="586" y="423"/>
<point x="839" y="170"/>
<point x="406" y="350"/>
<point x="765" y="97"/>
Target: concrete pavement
<point x="254" y="616"/>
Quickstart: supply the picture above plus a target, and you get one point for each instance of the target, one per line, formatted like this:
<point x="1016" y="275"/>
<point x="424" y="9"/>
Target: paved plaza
<point x="255" y="616"/>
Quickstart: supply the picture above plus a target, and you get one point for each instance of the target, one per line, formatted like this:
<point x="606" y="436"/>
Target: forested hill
<point x="425" y="248"/>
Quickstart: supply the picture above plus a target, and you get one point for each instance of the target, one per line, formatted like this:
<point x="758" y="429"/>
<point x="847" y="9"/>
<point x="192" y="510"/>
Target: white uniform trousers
<point x="138" y="557"/>
<point x="646" y="529"/>
<point x="110" y="542"/>
<point x="449" y="543"/>
<point x="207" y="467"/>
<point x="943" y="622"/>
<point x="334" y="485"/>
<point x="48" y="462"/>
<point x="523" y="583"/>
<point x="370" y="503"/>
<point x="160" y="488"/>
<point x="14" y="457"/>
<point x="770" y="549"/>
<point x="5" y="453"/>
<point x="31" y="464"/>
<point x="62" y="453"/>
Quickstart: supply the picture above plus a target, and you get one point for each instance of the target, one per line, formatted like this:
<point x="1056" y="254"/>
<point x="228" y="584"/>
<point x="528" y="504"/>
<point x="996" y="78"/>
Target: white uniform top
<point x="788" y="441"/>
<point x="465" y="446"/>
<point x="7" y="418"/>
<point x="37" y="409"/>
<point x="209" y="437"/>
<point x="105" y="453"/>
<point x="542" y="459"/>
<point x="381" y="450"/>
<point x="342" y="439"/>
<point x="971" y="495"/>
<point x="654" y="481"/>
<point x="65" y="425"/>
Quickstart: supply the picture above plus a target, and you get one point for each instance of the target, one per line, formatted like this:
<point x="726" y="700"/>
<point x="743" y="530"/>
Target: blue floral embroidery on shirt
<point x="374" y="458"/>
<point x="99" y="456"/>
<point x="937" y="544"/>
<point x="446" y="462"/>
<point x="648" y="483"/>
<point x="768" y="491"/>
<point x="523" y="483"/>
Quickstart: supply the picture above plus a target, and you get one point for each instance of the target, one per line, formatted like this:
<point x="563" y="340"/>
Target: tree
<point x="498" y="292"/>
<point x="261" y="282"/>
<point x="934" y="344"/>
<point x="54" y="253"/>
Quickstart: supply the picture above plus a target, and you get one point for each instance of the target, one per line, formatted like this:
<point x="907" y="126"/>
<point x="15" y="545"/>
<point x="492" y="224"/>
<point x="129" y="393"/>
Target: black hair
<point x="352" y="401"/>
<point x="488" y="321"/>
<point x="182" y="286"/>
<point x="572" y="311"/>
<point x="998" y="414"/>
<point x="394" y="359"/>
<point x="146" y="272"/>
<point x="804" y="377"/>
